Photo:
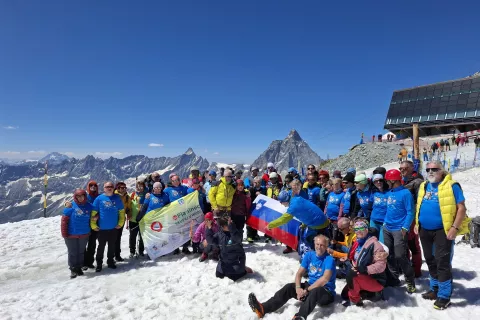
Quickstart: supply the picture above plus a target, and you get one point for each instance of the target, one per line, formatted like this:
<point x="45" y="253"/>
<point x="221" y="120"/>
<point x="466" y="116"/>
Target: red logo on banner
<point x="156" y="226"/>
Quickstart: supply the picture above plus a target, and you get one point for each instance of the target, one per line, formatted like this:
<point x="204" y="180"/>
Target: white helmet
<point x="273" y="175"/>
<point x="270" y="165"/>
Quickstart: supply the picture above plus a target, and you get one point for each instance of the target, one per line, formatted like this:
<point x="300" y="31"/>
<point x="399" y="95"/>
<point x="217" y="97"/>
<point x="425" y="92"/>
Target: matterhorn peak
<point x="294" y="135"/>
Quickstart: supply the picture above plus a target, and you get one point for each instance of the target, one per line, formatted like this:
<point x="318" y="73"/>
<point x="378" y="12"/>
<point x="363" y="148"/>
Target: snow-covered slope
<point x="35" y="285"/>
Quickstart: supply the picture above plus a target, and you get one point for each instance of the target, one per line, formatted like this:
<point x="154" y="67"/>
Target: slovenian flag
<point x="265" y="210"/>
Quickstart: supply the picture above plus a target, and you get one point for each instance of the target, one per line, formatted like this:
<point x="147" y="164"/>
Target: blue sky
<point x="223" y="77"/>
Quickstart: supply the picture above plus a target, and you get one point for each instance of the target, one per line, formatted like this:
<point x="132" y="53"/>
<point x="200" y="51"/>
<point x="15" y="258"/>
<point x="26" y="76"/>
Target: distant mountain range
<point x="22" y="183"/>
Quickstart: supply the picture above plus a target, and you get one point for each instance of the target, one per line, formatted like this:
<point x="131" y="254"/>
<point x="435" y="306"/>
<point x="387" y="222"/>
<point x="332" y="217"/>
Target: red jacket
<point x="241" y="204"/>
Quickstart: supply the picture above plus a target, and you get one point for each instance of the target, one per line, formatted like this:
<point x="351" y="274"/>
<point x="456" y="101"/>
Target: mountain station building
<point x="439" y="108"/>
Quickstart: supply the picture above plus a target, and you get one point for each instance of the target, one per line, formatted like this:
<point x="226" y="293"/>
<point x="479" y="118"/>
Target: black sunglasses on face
<point x="108" y="187"/>
<point x="432" y="169"/>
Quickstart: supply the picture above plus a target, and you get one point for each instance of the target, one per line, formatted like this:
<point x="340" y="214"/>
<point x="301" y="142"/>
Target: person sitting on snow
<point x="232" y="256"/>
<point x="199" y="239"/>
<point x="368" y="260"/>
<point x="320" y="288"/>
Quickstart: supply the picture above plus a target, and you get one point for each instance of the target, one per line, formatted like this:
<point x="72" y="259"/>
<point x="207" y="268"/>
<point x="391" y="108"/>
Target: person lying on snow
<point x="232" y="256"/>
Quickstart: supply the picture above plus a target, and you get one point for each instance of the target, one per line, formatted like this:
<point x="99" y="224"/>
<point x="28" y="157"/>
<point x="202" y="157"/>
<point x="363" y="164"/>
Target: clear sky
<point x="223" y="77"/>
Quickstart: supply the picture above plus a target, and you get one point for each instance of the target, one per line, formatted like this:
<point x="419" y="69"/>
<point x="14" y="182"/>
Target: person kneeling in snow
<point x="75" y="227"/>
<point x="199" y="239"/>
<point x="320" y="288"/>
<point x="369" y="261"/>
<point x="232" y="256"/>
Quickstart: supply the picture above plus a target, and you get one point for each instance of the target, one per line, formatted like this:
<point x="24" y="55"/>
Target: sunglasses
<point x="108" y="187"/>
<point x="402" y="169"/>
<point x="228" y="176"/>
<point x="311" y="168"/>
<point x="432" y="169"/>
<point x="359" y="229"/>
<point x="379" y="180"/>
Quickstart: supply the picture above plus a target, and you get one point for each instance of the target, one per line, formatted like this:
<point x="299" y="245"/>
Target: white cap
<point x="273" y="175"/>
<point x="270" y="165"/>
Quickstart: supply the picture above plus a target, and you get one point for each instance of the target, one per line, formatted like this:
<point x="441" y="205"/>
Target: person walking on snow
<point x="75" y="228"/>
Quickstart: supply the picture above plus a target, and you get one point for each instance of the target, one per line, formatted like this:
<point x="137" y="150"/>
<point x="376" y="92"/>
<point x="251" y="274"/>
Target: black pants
<point x="438" y="258"/>
<point x="134" y="231"/>
<point x="252" y="233"/>
<point x="319" y="296"/>
<point x="104" y="237"/>
<point x="89" y="256"/>
<point x="397" y="245"/>
<point x="239" y="221"/>
<point x="118" y="242"/>
<point x="233" y="276"/>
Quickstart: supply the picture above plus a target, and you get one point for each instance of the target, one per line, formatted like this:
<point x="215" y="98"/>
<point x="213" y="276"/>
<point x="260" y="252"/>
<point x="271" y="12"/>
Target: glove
<point x="362" y="269"/>
<point x="350" y="275"/>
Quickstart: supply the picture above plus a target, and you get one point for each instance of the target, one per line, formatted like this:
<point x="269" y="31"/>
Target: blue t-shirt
<point x="79" y="222"/>
<point x="313" y="194"/>
<point x="108" y="210"/>
<point x="316" y="267"/>
<point x="156" y="201"/>
<point x="175" y="193"/>
<point x="379" y="209"/>
<point x="430" y="217"/>
<point x="306" y="212"/>
<point x="333" y="204"/>
<point x="399" y="209"/>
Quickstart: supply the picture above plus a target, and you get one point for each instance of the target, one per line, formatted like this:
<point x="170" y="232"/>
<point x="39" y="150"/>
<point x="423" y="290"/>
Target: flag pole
<point x="45" y="184"/>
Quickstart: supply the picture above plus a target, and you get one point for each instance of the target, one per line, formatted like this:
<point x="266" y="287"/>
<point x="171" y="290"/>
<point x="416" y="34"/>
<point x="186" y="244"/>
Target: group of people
<point x="366" y="229"/>
<point x="389" y="137"/>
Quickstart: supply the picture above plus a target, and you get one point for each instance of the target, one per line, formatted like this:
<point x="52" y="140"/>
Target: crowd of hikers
<point x="363" y="229"/>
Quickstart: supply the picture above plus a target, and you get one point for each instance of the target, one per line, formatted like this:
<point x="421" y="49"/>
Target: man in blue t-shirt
<point x="437" y="232"/>
<point x="320" y="288"/>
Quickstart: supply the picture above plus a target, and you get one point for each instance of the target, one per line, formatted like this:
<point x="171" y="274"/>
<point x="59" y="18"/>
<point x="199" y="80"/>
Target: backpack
<point x="474" y="228"/>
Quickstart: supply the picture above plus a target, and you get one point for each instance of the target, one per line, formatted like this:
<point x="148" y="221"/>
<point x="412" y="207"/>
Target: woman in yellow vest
<point x="440" y="217"/>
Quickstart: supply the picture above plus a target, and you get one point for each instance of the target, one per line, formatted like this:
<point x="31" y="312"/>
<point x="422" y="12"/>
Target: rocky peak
<point x="189" y="151"/>
<point x="294" y="135"/>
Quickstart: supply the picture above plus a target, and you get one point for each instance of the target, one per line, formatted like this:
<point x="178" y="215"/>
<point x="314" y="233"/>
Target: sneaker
<point x="119" y="259"/>
<point x="411" y="287"/>
<point x="112" y="266"/>
<point x="79" y="271"/>
<point x="98" y="268"/>
<point x="176" y="251"/>
<point x="430" y="295"/>
<point x="287" y="250"/>
<point x="255" y="305"/>
<point x="73" y="274"/>
<point x="441" y="304"/>
<point x="186" y="251"/>
<point x="203" y="257"/>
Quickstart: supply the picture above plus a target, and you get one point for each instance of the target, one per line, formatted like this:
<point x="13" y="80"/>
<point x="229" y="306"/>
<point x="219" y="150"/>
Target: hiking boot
<point x="112" y="266"/>
<point x="79" y="271"/>
<point x="255" y="305"/>
<point x="73" y="274"/>
<point x="89" y="266"/>
<point x="287" y="250"/>
<point x="85" y="268"/>
<point x="215" y="256"/>
<point x="203" y="257"/>
<point x="141" y="254"/>
<point x="119" y="259"/>
<point x="176" y="251"/>
<point x="186" y="251"/>
<point x="430" y="295"/>
<point x="98" y="268"/>
<point x="441" y="304"/>
<point x="411" y="287"/>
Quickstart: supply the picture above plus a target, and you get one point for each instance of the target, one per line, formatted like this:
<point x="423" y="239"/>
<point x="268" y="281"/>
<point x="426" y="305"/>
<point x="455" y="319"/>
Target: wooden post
<point x="416" y="142"/>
